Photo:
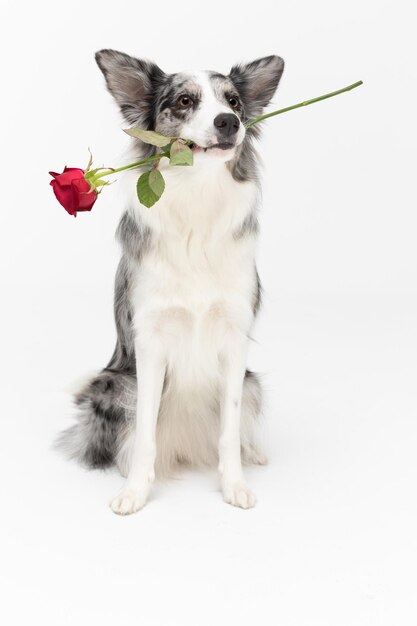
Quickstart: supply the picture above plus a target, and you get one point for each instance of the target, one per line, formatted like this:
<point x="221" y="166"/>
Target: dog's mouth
<point x="216" y="146"/>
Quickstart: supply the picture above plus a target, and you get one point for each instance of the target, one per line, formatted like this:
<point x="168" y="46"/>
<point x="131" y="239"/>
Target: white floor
<point x="332" y="540"/>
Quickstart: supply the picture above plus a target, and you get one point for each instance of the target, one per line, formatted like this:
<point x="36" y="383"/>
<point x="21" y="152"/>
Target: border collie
<point x="176" y="390"/>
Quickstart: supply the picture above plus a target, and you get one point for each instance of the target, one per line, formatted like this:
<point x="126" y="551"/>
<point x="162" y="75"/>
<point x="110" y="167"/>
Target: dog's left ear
<point x="257" y="82"/>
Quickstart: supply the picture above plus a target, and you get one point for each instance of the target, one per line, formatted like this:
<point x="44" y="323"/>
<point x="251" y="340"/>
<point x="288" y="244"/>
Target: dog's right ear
<point x="131" y="81"/>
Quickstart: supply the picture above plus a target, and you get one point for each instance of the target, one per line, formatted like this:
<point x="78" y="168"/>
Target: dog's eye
<point x="234" y="102"/>
<point x="184" y="101"/>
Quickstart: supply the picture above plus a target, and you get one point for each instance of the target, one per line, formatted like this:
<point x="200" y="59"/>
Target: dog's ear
<point x="132" y="82"/>
<point x="257" y="82"/>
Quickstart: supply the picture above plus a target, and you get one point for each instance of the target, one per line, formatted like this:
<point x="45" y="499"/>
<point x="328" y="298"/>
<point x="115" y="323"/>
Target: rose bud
<point x="73" y="191"/>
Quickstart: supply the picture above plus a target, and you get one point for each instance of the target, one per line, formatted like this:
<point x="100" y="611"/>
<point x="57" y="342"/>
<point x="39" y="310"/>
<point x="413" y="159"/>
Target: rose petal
<point x="64" y="197"/>
<point x="83" y="197"/>
<point x="68" y="175"/>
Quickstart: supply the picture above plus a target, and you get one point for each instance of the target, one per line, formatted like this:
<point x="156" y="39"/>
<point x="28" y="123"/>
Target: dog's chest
<point x="197" y="281"/>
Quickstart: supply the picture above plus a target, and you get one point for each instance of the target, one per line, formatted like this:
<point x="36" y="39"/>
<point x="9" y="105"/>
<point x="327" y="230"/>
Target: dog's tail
<point x="105" y="407"/>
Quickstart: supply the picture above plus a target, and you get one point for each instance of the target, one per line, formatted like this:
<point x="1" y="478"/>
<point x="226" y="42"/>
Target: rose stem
<point x="301" y="104"/>
<point x="155" y="157"/>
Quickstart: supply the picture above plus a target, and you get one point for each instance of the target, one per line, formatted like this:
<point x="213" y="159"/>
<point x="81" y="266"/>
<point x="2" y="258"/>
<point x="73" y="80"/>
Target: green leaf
<point x="150" y="187"/>
<point x="149" y="136"/>
<point x="166" y="149"/>
<point x="156" y="182"/>
<point x="180" y="154"/>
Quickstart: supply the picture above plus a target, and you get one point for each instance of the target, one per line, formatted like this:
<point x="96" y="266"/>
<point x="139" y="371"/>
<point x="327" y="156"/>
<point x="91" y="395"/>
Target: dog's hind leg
<point x="250" y="432"/>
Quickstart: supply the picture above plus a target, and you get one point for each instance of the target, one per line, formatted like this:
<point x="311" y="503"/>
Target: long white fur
<point x="192" y="311"/>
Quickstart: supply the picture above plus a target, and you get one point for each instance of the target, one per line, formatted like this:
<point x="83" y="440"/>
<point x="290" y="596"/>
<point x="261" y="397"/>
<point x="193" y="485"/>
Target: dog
<point x="176" y="390"/>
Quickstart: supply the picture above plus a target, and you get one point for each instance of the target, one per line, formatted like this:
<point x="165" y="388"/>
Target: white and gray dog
<point x="176" y="390"/>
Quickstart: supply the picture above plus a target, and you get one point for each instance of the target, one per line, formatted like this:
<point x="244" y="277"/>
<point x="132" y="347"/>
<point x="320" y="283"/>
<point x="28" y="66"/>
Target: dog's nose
<point x="227" y="124"/>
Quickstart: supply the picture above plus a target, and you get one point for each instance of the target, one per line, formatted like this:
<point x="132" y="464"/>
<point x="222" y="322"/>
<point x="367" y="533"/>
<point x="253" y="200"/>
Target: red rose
<point x="73" y="191"/>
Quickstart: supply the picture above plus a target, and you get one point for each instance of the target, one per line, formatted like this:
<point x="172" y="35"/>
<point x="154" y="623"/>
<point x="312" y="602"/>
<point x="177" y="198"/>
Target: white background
<point x="332" y="541"/>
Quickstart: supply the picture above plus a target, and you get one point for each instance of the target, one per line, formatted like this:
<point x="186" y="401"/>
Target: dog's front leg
<point x="150" y="367"/>
<point x="235" y="490"/>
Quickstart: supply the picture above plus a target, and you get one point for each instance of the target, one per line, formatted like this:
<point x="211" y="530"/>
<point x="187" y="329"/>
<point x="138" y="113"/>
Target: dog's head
<point x="205" y="107"/>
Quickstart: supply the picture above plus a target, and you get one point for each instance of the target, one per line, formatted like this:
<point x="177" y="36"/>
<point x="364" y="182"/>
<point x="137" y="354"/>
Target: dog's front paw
<point x="238" y="494"/>
<point x="129" y="501"/>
